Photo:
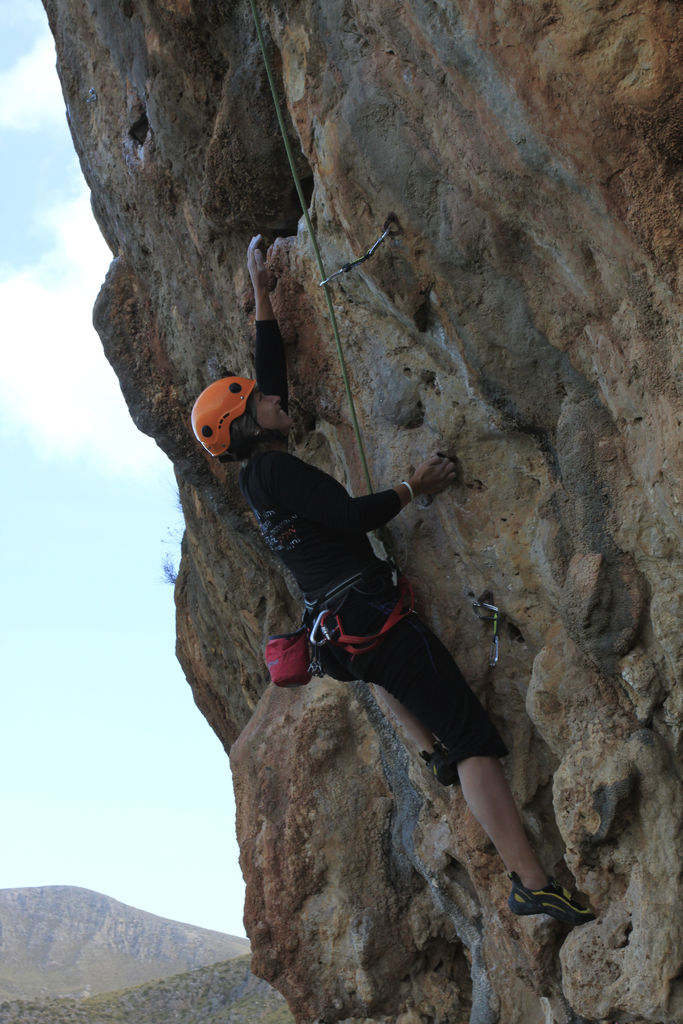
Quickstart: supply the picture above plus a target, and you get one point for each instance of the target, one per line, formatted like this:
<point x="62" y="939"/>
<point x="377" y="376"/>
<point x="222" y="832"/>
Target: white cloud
<point x="57" y="391"/>
<point x="30" y="95"/>
<point x="56" y="388"/>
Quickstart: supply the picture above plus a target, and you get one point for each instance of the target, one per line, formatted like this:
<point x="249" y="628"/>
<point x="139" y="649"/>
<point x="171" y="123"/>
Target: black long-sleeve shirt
<point x="306" y="517"/>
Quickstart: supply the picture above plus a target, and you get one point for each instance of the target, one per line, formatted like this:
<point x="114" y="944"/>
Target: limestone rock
<point x="317" y="826"/>
<point x="526" y="321"/>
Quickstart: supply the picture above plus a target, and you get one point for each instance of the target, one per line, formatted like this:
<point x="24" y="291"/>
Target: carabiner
<point x="494" y="618"/>
<point x="318" y="625"/>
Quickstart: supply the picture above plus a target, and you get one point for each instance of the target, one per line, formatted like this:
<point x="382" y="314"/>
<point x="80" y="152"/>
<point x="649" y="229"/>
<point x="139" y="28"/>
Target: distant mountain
<point x="65" y="941"/>
<point x="222" y="994"/>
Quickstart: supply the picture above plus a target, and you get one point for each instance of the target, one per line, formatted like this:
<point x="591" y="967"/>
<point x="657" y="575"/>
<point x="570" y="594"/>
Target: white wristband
<point x="410" y="489"/>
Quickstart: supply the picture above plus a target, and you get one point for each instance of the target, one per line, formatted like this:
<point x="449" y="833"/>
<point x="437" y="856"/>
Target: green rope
<point x="323" y="275"/>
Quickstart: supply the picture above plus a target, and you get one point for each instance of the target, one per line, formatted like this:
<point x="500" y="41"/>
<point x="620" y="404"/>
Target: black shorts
<point x="413" y="665"/>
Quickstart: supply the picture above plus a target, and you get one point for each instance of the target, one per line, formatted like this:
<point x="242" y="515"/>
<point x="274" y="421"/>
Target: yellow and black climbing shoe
<point x="553" y="900"/>
<point x="438" y="766"/>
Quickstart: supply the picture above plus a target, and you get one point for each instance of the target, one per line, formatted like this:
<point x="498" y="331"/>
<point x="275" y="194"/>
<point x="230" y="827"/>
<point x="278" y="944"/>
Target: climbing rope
<point x="314" y="242"/>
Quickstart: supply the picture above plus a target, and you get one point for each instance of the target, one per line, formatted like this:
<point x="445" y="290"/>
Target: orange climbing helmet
<point x="216" y="408"/>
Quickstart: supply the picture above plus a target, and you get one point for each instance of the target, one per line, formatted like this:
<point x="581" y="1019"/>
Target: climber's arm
<point x="271" y="365"/>
<point x="259" y="279"/>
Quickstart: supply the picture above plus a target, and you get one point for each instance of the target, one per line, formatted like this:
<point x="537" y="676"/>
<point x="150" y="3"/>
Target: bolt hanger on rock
<point x="391" y="228"/>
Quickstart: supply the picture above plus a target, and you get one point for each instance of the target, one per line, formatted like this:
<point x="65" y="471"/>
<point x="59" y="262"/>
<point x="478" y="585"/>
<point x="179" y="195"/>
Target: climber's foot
<point x="552" y="899"/>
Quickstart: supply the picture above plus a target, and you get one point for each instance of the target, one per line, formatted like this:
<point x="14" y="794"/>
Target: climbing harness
<point x="294" y="658"/>
<point x="387" y="231"/>
<point x="485" y="602"/>
<point x="328" y="627"/>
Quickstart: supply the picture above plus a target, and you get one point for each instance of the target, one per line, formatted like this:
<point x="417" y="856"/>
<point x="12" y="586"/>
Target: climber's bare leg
<point x="412" y="725"/>
<point x="490" y="800"/>
<point x="488" y="796"/>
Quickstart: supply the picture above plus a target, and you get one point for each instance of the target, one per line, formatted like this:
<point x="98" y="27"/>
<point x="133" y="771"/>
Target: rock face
<point x="526" y="320"/>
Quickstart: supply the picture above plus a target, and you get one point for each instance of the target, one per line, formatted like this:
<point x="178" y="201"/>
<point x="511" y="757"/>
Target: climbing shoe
<point x="553" y="900"/>
<point x="438" y="766"/>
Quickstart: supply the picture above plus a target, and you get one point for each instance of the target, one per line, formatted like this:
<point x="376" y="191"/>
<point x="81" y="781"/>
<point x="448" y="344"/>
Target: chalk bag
<point x="288" y="658"/>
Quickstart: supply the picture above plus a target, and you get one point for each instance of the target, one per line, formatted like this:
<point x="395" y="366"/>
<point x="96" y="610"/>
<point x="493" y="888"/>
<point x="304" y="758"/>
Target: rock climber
<point x="320" y="533"/>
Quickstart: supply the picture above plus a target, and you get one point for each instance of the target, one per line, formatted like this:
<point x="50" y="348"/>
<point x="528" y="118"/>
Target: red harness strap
<point x="362" y="644"/>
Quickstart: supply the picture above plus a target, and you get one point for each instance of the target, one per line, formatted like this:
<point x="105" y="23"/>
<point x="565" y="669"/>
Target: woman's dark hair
<point x="246" y="436"/>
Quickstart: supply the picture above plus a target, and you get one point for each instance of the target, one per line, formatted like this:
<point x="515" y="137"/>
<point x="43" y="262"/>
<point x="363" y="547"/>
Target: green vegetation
<point x="225" y="993"/>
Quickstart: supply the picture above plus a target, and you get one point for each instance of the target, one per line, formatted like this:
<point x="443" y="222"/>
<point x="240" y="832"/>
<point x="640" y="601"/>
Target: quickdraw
<point x="485" y="601"/>
<point x="387" y="231"/>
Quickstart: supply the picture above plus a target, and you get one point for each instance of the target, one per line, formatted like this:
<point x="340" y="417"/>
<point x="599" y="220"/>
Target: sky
<point x="112" y="780"/>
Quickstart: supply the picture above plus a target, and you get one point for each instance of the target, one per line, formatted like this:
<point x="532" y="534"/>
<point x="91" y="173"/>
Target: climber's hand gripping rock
<point x="433" y="476"/>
